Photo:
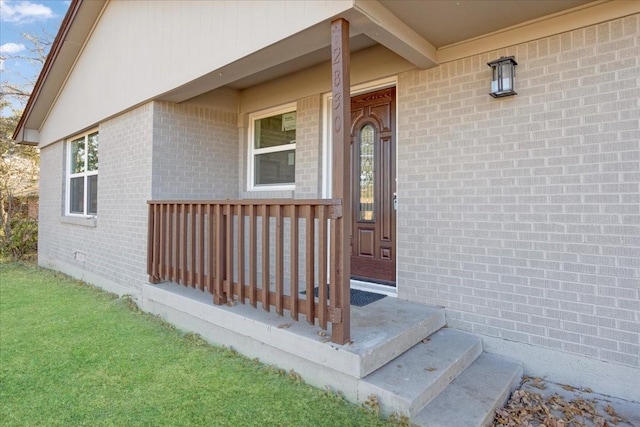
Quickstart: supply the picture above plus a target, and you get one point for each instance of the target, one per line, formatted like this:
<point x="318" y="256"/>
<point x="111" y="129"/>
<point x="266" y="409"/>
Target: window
<point x="82" y="175"/>
<point x="272" y="149"/>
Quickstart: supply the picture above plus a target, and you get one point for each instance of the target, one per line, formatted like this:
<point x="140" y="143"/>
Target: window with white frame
<point x="272" y="149"/>
<point x="82" y="174"/>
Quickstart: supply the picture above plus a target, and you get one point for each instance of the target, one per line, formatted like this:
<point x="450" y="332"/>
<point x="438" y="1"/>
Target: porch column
<point x="341" y="187"/>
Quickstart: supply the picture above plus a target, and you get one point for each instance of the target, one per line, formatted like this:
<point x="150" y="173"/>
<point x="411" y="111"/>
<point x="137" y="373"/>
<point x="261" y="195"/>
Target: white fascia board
<point x="388" y="30"/>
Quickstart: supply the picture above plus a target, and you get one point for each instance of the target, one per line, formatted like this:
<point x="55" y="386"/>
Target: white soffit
<point x="446" y="22"/>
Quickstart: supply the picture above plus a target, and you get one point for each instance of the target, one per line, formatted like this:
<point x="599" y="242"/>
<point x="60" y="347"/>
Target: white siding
<point x="137" y="52"/>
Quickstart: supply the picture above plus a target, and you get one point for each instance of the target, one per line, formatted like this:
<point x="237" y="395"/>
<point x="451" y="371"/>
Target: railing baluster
<point x="322" y="267"/>
<point x="279" y="236"/>
<point x="173" y="238"/>
<point x="218" y="295"/>
<point x="173" y="245"/>
<point x="210" y="248"/>
<point x="228" y="276"/>
<point x="192" y="238"/>
<point x="266" y="304"/>
<point x="200" y="247"/>
<point x="310" y="260"/>
<point x="183" y="244"/>
<point x="253" y="256"/>
<point x="150" y="242"/>
<point x="240" y="222"/>
<point x="157" y="226"/>
<point x="167" y="239"/>
<point x="162" y="252"/>
<point x="294" y="258"/>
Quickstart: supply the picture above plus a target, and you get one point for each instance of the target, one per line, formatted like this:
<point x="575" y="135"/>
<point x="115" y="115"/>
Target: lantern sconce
<point x="503" y="79"/>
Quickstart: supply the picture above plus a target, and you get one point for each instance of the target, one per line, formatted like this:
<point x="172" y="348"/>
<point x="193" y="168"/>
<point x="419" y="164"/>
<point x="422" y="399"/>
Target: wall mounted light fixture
<point x="503" y="79"/>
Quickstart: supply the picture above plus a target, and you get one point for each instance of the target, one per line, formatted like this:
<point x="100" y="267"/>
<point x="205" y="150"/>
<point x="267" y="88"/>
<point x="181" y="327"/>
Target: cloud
<point x="12" y="48"/>
<point x="21" y="12"/>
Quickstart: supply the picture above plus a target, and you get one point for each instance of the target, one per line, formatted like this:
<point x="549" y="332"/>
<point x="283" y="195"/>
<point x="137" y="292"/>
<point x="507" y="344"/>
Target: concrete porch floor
<point x="380" y="331"/>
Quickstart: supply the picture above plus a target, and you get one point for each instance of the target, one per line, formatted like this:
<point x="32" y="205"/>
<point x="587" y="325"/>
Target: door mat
<point x="358" y="298"/>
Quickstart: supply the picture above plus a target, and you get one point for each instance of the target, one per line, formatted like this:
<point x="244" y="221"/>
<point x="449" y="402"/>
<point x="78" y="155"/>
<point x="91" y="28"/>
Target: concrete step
<point x="385" y="329"/>
<point x="472" y="398"/>
<point x="406" y="384"/>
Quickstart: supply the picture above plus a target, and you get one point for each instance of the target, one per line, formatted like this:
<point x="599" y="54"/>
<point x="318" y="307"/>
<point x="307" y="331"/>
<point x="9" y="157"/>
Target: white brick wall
<point x="115" y="248"/>
<point x="522" y="215"/>
<point x="195" y="152"/>
<point x="188" y="151"/>
<point x="308" y="149"/>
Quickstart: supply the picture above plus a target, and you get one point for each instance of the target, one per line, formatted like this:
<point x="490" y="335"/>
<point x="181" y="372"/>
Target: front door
<point x="373" y="187"/>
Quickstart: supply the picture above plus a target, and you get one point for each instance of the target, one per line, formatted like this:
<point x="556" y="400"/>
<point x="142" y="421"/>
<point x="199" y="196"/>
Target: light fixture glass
<point x="503" y="77"/>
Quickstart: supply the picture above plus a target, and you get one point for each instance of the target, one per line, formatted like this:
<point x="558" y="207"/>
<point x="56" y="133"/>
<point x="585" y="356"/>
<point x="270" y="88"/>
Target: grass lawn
<point x="73" y="355"/>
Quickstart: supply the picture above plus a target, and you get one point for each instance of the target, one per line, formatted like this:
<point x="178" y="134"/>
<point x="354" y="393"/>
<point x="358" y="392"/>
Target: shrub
<point x="23" y="238"/>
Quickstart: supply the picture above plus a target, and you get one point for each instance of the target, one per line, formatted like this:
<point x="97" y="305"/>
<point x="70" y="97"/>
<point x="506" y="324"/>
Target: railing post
<point x="341" y="185"/>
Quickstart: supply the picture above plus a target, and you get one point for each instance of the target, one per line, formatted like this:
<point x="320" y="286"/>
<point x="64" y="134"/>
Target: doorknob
<point x="395" y="201"/>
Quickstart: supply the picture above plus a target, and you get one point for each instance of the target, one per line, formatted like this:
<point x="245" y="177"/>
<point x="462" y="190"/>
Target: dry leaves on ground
<point x="529" y="409"/>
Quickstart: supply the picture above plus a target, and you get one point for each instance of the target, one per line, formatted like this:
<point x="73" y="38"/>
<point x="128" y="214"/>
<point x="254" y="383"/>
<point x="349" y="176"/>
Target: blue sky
<point x="18" y="17"/>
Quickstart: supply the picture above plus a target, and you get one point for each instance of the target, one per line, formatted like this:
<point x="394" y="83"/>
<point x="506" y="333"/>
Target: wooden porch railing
<point x="251" y="250"/>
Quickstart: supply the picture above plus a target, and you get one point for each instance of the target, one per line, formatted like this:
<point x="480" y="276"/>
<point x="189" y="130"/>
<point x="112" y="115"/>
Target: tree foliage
<point x="15" y="88"/>
<point x="18" y="163"/>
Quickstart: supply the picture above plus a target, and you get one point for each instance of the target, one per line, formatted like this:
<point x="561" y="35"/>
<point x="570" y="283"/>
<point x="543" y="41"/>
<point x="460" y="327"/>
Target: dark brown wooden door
<point x="373" y="188"/>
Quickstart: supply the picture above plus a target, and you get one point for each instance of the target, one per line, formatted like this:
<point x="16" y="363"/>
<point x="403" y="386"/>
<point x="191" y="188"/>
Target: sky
<point x="22" y="16"/>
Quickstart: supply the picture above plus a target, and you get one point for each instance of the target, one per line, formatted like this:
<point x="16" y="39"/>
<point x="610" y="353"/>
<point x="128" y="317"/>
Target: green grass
<point x="73" y="355"/>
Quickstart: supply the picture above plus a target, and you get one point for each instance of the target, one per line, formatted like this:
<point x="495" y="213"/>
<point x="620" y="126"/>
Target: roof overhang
<point x="423" y="33"/>
<point x="74" y="31"/>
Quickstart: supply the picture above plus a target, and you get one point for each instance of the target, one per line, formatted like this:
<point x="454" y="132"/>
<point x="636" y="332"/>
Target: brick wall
<point x="308" y="149"/>
<point x="195" y="152"/>
<point x="521" y="215"/>
<point x="189" y="152"/>
<point x="124" y="187"/>
<point x="113" y="246"/>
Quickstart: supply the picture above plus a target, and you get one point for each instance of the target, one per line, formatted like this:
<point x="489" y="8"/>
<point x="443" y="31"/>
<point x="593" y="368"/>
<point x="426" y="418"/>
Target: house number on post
<point x="336" y="33"/>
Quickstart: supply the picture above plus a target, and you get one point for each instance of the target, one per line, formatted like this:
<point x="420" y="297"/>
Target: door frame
<point x="327" y="169"/>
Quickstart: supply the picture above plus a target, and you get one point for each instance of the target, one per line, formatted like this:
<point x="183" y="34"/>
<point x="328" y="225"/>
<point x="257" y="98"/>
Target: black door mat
<point x="358" y="298"/>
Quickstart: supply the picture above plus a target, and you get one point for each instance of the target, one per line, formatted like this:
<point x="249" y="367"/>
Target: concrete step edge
<point x="472" y="398"/>
<point x="407" y="383"/>
<point x="401" y="343"/>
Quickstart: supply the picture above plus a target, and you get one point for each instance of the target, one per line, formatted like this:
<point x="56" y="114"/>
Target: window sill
<point x="265" y="188"/>
<point x="90" y="221"/>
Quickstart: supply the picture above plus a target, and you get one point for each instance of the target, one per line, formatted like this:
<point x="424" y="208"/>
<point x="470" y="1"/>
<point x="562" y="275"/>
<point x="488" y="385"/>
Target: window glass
<point x="77" y="156"/>
<point x="77" y="195"/>
<point x="92" y="153"/>
<point x="275" y="168"/>
<point x="275" y="130"/>
<point x="82" y="175"/>
<point x="92" y="195"/>
<point x="272" y="149"/>
<point x="367" y="173"/>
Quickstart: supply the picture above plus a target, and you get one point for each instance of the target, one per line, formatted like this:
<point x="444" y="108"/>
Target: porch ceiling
<point x="415" y="30"/>
<point x="445" y="22"/>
